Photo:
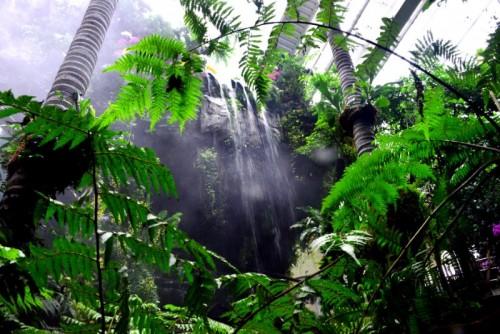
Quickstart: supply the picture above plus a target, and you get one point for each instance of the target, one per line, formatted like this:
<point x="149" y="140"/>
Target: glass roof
<point x="466" y="24"/>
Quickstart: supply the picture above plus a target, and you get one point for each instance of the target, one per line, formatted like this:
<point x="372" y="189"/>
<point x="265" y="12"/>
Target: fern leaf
<point x="160" y="76"/>
<point x="123" y="161"/>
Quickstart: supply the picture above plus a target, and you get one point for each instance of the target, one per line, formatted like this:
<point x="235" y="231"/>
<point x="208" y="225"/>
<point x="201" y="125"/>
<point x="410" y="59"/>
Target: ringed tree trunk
<point x="358" y="117"/>
<point x="76" y="70"/>
<point x="44" y="170"/>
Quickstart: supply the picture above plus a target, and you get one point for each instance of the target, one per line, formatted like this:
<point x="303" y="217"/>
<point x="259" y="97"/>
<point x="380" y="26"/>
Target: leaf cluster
<point x="160" y="75"/>
<point x="71" y="262"/>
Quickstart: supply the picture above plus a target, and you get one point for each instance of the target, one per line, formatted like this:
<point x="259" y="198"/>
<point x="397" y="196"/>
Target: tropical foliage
<point x="382" y="229"/>
<point x="110" y="211"/>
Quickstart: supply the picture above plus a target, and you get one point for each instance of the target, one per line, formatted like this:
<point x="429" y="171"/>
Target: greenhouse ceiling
<point x="465" y="23"/>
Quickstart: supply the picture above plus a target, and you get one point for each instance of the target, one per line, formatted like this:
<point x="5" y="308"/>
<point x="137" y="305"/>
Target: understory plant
<point x="77" y="277"/>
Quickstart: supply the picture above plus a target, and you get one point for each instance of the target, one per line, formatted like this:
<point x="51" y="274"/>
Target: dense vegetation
<point x="428" y="188"/>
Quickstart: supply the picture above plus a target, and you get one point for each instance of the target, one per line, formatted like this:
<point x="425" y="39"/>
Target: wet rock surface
<point x="237" y="182"/>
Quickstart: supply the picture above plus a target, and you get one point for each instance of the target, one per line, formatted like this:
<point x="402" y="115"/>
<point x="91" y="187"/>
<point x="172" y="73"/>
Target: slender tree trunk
<point x="44" y="170"/>
<point x="357" y="117"/>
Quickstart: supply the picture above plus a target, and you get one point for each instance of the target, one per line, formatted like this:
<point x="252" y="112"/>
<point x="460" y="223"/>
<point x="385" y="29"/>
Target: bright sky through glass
<point x="171" y="11"/>
<point x="466" y="24"/>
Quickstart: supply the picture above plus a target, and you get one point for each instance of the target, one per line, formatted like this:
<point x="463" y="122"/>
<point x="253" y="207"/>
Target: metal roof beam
<point x="307" y="11"/>
<point x="403" y="20"/>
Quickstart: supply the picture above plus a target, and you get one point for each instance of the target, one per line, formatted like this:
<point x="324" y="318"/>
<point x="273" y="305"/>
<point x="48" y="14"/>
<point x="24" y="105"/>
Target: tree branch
<point x="481" y="147"/>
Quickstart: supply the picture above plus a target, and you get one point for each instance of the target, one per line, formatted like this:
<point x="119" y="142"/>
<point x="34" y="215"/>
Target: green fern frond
<point x="240" y="284"/>
<point x="78" y="220"/>
<point x="65" y="259"/>
<point x="386" y="237"/>
<point x="330" y="13"/>
<point x="217" y="12"/>
<point x="160" y="76"/>
<point x="25" y="329"/>
<point x="123" y="161"/>
<point x="10" y="105"/>
<point x="429" y="51"/>
<point x="142" y="250"/>
<point x="256" y="64"/>
<point x="196" y="25"/>
<point x="144" y="317"/>
<point x="158" y="47"/>
<point x="333" y="294"/>
<point x="21" y="296"/>
<point x="372" y="60"/>
<point x="124" y="209"/>
<point x="63" y="129"/>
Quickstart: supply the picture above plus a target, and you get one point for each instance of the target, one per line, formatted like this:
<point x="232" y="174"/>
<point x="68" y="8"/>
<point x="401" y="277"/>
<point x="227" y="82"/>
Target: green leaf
<point x="10" y="254"/>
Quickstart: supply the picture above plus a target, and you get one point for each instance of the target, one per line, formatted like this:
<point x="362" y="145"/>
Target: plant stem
<point x="457" y="216"/>
<point x="97" y="245"/>
<point x="480" y="147"/>
<point x="283" y="293"/>
<point x="96" y="216"/>
<point x="419" y="231"/>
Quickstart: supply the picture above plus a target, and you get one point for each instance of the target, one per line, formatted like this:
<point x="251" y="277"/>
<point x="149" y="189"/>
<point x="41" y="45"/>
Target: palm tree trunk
<point x="44" y="170"/>
<point x="76" y="70"/>
<point x="357" y="117"/>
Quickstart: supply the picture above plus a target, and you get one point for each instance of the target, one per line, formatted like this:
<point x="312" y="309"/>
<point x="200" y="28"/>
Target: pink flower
<point x="275" y="75"/>
<point x="485" y="264"/>
<point x="134" y="39"/>
<point x="496" y="230"/>
<point x="122" y="42"/>
<point x="127" y="40"/>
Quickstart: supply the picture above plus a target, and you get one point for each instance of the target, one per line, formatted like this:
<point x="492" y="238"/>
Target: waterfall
<point x="255" y="172"/>
<point x="237" y="190"/>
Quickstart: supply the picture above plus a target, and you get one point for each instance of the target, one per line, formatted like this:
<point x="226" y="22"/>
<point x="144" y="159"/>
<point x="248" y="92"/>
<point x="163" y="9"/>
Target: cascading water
<point x="262" y="178"/>
<point x="238" y="183"/>
<point x="237" y="189"/>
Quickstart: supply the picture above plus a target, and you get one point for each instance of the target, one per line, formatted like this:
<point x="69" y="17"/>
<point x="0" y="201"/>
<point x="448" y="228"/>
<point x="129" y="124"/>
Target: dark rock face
<point x="213" y="116"/>
<point x="236" y="182"/>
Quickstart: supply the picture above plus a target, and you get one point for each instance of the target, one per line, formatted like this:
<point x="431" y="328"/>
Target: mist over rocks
<point x="213" y="116"/>
<point x="239" y="185"/>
